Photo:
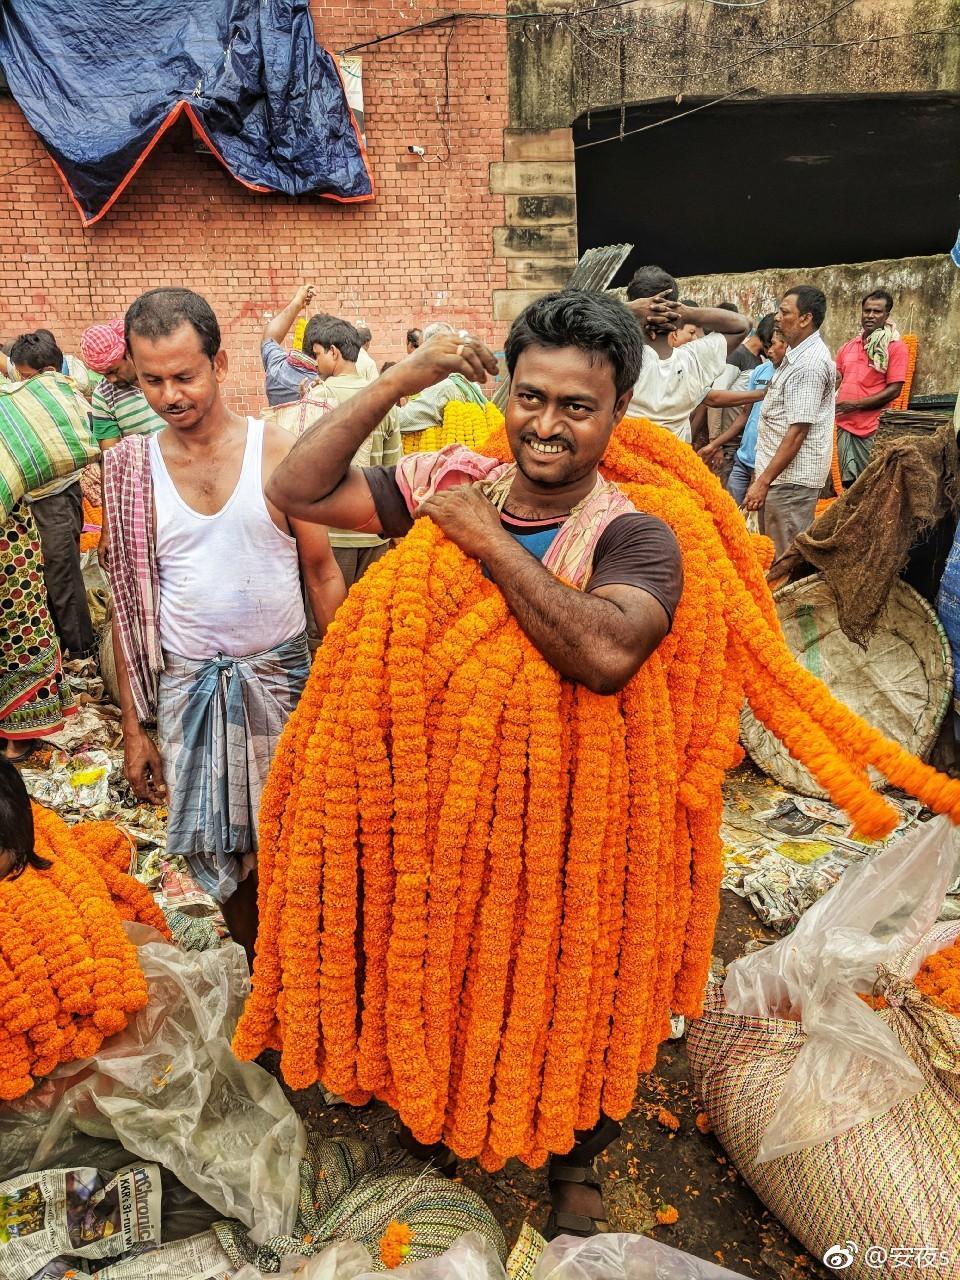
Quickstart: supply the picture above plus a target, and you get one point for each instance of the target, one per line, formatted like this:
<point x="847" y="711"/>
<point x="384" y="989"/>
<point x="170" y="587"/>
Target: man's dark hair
<point x="37" y="350"/>
<point x="16" y="821"/>
<point x="160" y="312"/>
<point x="594" y="323"/>
<point x="728" y="306"/>
<point x="331" y="331"/>
<point x="364" y="331"/>
<point x="879" y="293"/>
<point x="648" y="281"/>
<point x="310" y="330"/>
<point x="689" y="302"/>
<point x="414" y="337"/>
<point x="765" y="327"/>
<point x="809" y="299"/>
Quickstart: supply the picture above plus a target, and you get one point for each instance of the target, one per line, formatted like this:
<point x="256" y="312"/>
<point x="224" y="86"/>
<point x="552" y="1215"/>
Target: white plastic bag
<point x="851" y="1067"/>
<point x="170" y="1090"/>
<point x="343" y="1260"/>
<point x="623" y="1257"/>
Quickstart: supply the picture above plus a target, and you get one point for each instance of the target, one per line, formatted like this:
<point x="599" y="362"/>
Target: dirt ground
<point x="720" y="1217"/>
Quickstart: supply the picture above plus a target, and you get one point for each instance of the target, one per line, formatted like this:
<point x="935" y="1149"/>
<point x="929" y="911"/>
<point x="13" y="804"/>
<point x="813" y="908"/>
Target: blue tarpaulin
<point x="100" y="82"/>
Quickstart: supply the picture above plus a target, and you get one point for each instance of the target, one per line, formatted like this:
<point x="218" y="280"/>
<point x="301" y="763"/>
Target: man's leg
<point x="739" y="481"/>
<point x="788" y="510"/>
<point x="59" y="520"/>
<point x="240" y="914"/>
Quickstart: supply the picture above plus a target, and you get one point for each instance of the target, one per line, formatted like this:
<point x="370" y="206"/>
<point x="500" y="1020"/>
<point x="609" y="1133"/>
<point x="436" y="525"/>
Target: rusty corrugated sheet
<point x="593" y="272"/>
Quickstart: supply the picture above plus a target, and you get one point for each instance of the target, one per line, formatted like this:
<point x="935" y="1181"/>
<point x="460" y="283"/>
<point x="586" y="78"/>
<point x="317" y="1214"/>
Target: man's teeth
<point x="542" y="446"/>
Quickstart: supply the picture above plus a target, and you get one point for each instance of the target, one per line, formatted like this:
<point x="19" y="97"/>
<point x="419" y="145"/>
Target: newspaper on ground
<point x="784" y="851"/>
<point x="196" y="1258"/>
<point x="61" y="1215"/>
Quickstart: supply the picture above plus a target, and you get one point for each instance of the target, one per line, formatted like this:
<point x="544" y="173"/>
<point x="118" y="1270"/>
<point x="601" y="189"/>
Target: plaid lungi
<point x="218" y="723"/>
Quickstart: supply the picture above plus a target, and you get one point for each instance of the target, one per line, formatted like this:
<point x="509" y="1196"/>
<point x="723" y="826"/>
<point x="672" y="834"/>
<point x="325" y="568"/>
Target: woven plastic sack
<point x="880" y="1195"/>
<point x="851" y="1067"/>
<point x="316" y="401"/>
<point x="44" y="434"/>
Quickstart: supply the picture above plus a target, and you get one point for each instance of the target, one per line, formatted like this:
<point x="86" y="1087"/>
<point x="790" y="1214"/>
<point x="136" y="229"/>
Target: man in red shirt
<point x="871" y="370"/>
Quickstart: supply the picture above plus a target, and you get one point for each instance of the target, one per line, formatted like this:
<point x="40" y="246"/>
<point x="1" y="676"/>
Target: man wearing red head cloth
<point x="119" y="406"/>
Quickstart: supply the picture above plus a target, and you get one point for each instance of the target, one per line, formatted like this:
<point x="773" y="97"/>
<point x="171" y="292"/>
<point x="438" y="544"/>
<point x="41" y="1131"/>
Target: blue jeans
<point x="739" y="481"/>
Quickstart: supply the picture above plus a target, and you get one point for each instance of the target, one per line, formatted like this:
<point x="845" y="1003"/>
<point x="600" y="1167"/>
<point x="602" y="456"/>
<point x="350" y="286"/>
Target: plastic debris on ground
<point x="170" y="1090"/>
<point x="784" y="852"/>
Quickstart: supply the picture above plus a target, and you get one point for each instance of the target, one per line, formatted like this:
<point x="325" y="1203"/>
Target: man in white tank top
<point x="209" y="631"/>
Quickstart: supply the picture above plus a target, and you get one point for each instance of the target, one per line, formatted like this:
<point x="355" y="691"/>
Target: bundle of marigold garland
<point x="483" y="888"/>
<point x="468" y="424"/>
<point x="68" y="974"/>
<point x="939" y="978"/>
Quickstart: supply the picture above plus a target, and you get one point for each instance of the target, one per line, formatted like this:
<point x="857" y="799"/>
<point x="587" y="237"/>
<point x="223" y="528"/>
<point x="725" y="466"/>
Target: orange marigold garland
<point x="68" y="974"/>
<point x="533" y="869"/>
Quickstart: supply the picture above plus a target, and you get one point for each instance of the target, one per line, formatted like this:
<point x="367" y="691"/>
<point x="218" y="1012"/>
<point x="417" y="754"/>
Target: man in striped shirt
<point x="119" y="406"/>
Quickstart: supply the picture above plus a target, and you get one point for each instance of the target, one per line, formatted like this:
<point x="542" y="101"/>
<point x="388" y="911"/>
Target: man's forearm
<point x="321" y="458"/>
<point x="734" y="430"/>
<point x="128" y="711"/>
<point x="877" y="401"/>
<point x="279" y="326"/>
<point x="716" y="320"/>
<point x="326" y="593"/>
<point x="570" y="628"/>
<point x="788" y="450"/>
<point x="715" y="399"/>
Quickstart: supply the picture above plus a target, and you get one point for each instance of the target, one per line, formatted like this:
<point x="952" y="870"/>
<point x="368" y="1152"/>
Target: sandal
<point x="561" y="1221"/>
<point x="577" y="1169"/>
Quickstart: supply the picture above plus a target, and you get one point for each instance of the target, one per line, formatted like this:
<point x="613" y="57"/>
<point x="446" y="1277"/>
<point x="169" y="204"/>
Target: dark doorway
<point x="772" y="182"/>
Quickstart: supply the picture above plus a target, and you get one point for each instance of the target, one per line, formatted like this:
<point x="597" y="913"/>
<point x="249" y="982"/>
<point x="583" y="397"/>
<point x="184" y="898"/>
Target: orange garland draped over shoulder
<point x="483" y="888"/>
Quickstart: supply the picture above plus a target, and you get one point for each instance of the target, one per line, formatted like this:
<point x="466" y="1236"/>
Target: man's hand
<point x="756" y="495"/>
<point x="658" y="312"/>
<point x="466" y="517"/>
<point x="846" y="406"/>
<point x="305" y="295"/>
<point x="444" y="354"/>
<point x="708" y="452"/>
<point x="142" y="766"/>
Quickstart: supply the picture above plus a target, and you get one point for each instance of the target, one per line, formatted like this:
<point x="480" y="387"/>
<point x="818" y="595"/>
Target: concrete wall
<point x="927" y="303"/>
<point x="560" y="69"/>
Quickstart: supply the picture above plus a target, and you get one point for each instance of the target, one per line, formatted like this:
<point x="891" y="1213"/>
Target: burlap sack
<point x="885" y="1194"/>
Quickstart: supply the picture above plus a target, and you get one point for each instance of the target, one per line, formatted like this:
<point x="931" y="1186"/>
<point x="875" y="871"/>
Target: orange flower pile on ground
<point x="939" y="978"/>
<point x="484" y="888"/>
<point x="68" y="975"/>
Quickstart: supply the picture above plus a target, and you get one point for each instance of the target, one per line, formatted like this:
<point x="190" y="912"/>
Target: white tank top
<point x="229" y="583"/>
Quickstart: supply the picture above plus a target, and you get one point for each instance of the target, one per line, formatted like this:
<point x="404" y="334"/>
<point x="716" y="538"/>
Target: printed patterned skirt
<point x="35" y="697"/>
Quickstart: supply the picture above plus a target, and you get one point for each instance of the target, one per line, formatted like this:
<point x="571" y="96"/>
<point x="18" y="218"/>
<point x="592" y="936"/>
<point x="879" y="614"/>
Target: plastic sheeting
<point x="100" y="84"/>
<point x="170" y="1090"/>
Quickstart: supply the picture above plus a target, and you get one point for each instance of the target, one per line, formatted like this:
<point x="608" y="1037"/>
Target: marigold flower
<point x="483" y="888"/>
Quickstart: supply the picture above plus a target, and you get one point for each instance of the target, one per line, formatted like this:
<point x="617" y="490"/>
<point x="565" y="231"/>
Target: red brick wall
<point x="421" y="250"/>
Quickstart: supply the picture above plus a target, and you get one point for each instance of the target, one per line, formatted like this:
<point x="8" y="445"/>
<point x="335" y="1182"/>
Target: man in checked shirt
<point x="795" y="436"/>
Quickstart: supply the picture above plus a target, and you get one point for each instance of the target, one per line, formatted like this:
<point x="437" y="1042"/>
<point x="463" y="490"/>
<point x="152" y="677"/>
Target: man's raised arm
<point x="316" y="482"/>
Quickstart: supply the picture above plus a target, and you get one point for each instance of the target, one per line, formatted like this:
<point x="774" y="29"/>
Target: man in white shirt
<point x="671" y="386"/>
<point x="795" y="437"/>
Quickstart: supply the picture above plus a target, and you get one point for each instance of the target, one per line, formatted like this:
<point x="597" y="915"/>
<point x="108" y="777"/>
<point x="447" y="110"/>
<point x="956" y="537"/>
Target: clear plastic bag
<point x="623" y="1257"/>
<point x="170" y="1090"/>
<point x="603" y="1257"/>
<point x="344" y="1260"/>
<point x="851" y="1066"/>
